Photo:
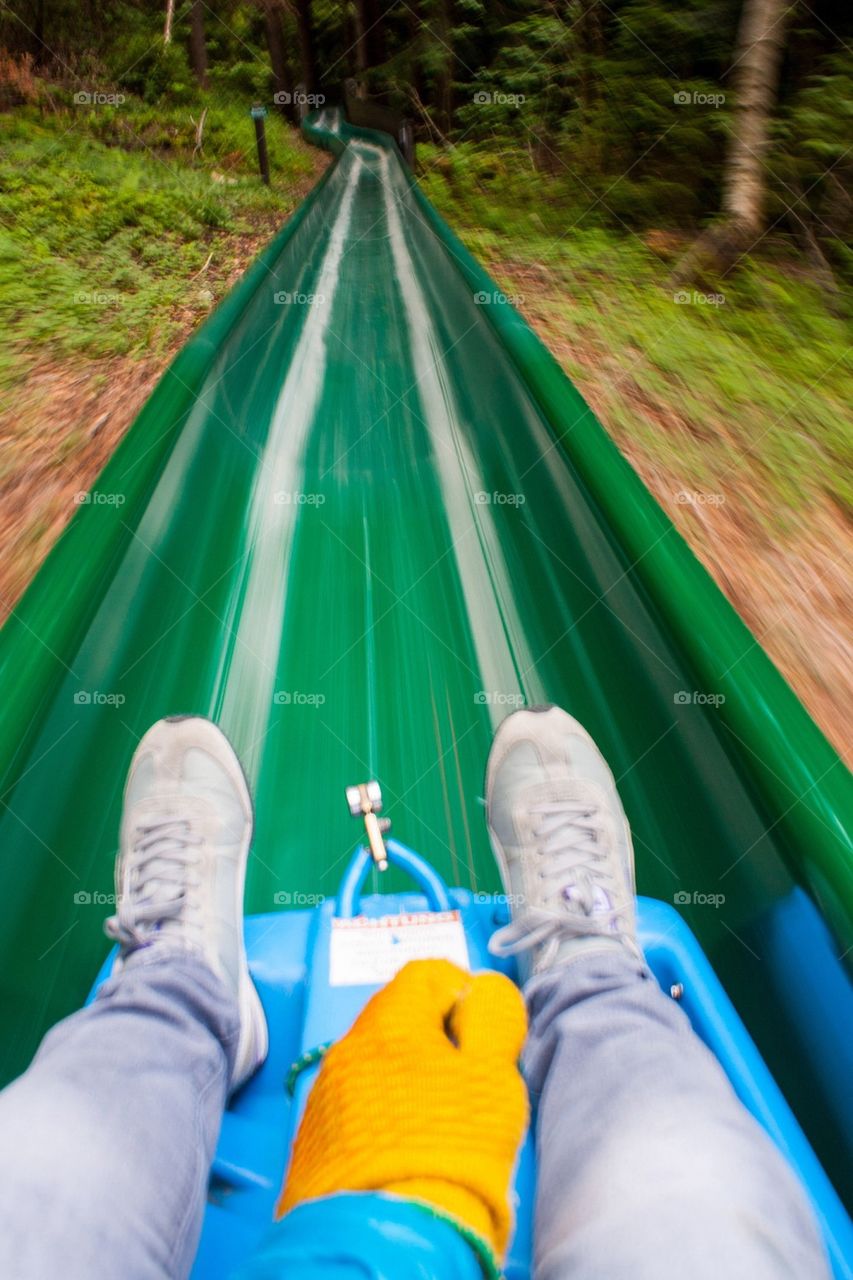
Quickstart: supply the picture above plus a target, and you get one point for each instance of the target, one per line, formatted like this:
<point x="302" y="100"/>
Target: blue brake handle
<point x="349" y="894"/>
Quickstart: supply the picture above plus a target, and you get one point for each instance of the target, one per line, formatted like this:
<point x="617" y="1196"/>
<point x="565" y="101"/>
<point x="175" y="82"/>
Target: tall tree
<point x="445" y="78"/>
<point x="377" y="50"/>
<point x="277" y="50"/>
<point x="437" y="51"/>
<point x="38" y="33"/>
<point x="198" y="45"/>
<point x="167" y="25"/>
<point x="589" y="45"/>
<point x="305" y="35"/>
<point x="755" y="82"/>
<point x="361" y="22"/>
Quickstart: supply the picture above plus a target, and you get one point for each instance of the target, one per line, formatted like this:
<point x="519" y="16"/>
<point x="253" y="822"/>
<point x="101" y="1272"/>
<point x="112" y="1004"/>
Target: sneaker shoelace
<point x="156" y="883"/>
<point x="575" y="862"/>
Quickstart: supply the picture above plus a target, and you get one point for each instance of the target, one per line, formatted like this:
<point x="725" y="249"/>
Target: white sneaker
<point x="561" y="840"/>
<point x="185" y="835"/>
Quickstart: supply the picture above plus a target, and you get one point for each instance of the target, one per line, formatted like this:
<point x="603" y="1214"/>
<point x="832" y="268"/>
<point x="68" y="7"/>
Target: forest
<point x="664" y="113"/>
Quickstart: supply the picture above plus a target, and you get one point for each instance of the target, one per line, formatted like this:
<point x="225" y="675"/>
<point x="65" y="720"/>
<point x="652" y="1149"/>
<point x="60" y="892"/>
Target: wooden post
<point x="258" y="114"/>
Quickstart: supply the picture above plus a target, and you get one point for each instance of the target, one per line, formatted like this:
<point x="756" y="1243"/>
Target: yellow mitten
<point x="423" y="1099"/>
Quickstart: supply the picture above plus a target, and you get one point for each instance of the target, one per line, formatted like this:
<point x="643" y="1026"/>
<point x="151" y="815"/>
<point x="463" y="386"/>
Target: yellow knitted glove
<point x="423" y="1099"/>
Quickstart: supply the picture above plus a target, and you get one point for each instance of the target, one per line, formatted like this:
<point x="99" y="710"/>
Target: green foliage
<point x="759" y="383"/>
<point x="811" y="165"/>
<point x="154" y="70"/>
<point x="250" y="80"/>
<point x="628" y="101"/>
<point x="109" y="217"/>
<point x="574" y="129"/>
<point x="528" y="85"/>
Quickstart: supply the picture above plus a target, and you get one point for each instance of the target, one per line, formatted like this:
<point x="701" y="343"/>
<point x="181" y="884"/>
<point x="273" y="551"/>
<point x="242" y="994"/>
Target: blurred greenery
<point x="577" y="148"/>
<point x="108" y="217"/>
<point x="758" y="383"/>
<point x="629" y="102"/>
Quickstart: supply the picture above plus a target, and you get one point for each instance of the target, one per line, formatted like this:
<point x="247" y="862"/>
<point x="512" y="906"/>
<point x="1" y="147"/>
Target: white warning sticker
<point x="368" y="951"/>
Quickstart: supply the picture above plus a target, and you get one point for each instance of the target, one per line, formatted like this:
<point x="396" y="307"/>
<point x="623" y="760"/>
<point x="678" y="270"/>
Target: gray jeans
<point x="649" y="1168"/>
<point x="648" y="1165"/>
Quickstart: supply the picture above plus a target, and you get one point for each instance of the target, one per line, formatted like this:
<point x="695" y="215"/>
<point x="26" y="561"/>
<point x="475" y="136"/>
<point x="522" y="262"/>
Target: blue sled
<point x="316" y="968"/>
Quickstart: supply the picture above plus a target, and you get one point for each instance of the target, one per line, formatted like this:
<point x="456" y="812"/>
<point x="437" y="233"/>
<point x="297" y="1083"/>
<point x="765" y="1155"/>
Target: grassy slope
<point x="755" y="386"/>
<point x="108" y="221"/>
<point x="115" y="242"/>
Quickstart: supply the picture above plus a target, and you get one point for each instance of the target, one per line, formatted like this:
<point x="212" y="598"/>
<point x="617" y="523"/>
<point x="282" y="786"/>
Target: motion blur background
<point x="661" y="186"/>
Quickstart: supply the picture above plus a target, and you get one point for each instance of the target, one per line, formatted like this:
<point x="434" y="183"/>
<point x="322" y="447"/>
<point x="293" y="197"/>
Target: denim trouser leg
<point x="649" y="1167"/>
<point x="106" y="1141"/>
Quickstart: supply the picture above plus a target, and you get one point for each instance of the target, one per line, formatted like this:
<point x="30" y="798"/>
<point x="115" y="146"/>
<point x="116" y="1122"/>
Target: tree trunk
<point x="39" y="47"/>
<point x="167" y="26"/>
<point x="755" y="83"/>
<point x="361" y="19"/>
<point x="198" y="46"/>
<point x="415" y="28"/>
<point x="305" y="31"/>
<point x="376" y="48"/>
<point x="278" y="57"/>
<point x="444" y="84"/>
<point x="590" y="45"/>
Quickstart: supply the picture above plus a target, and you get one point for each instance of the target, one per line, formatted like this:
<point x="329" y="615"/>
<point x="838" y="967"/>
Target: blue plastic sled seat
<point x="315" y="968"/>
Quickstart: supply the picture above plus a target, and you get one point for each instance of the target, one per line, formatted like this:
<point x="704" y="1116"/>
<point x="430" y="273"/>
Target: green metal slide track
<point x="356" y="527"/>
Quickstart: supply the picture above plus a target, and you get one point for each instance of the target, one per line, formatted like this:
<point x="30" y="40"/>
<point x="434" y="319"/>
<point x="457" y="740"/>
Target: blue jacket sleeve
<point x="362" y="1236"/>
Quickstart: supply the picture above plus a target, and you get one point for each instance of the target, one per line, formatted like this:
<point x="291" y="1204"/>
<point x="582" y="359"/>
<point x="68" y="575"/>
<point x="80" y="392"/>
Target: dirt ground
<point x="64" y="419"/>
<point x="65" y="422"/>
<point x="791" y="591"/>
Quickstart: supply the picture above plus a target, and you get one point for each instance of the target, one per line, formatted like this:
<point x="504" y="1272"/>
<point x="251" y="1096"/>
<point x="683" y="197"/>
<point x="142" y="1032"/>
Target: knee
<point x="687" y="1153"/>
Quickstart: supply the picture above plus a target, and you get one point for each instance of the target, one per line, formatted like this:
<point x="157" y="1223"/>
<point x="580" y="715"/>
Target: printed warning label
<point x="368" y="952"/>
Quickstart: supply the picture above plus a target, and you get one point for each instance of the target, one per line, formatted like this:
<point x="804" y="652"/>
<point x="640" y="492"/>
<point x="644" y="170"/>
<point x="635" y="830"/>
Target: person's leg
<point x="648" y="1165"/>
<point x="106" y="1140"/>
